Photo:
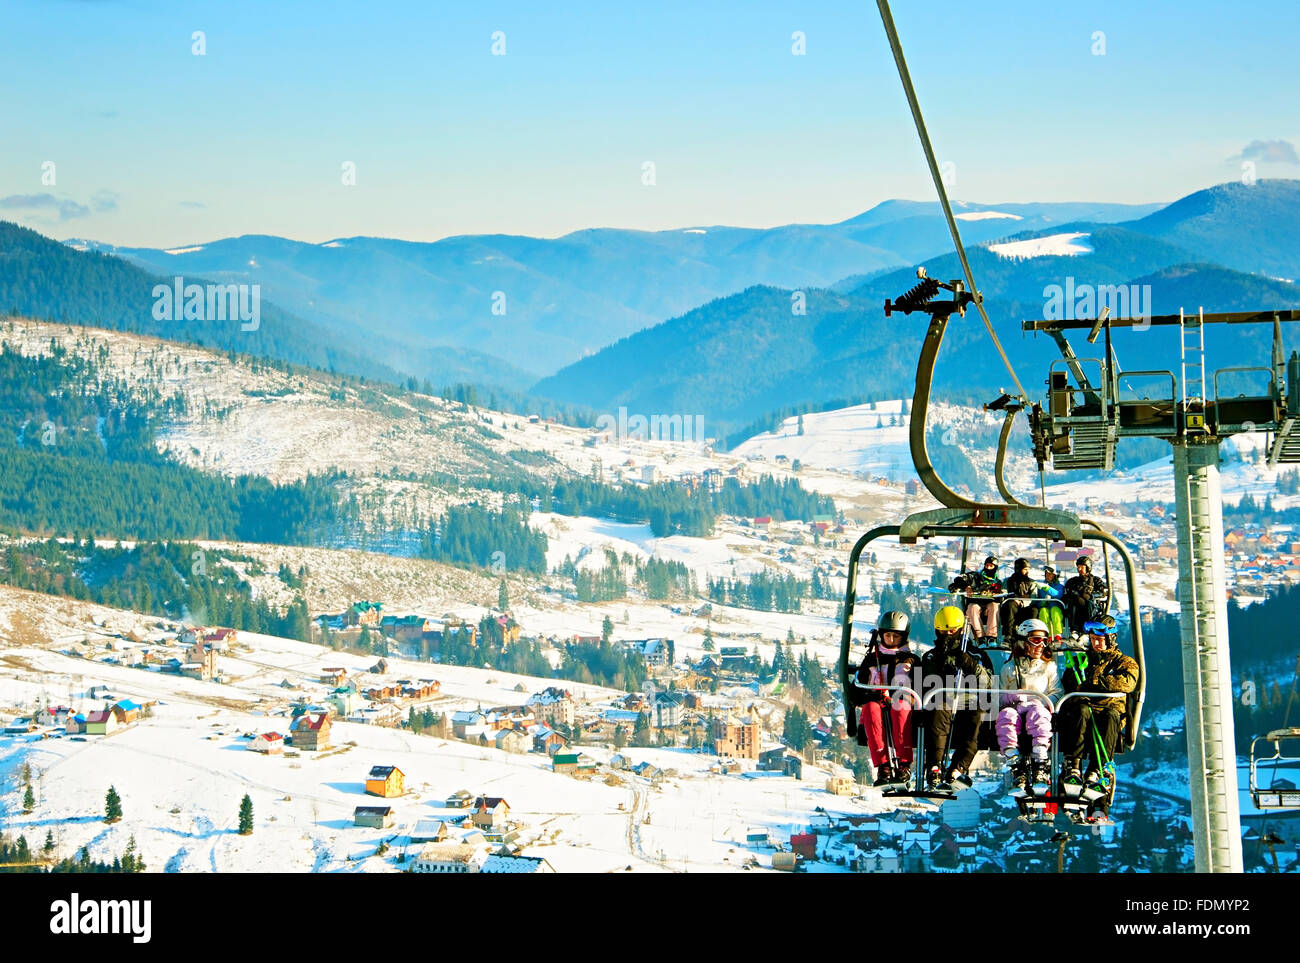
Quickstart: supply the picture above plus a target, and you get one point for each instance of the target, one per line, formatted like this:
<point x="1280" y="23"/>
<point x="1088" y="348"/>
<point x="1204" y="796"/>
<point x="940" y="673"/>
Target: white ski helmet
<point x="1033" y="625"/>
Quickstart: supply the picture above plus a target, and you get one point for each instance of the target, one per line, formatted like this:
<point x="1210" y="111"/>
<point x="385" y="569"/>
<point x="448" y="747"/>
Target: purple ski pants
<point x="1031" y="717"/>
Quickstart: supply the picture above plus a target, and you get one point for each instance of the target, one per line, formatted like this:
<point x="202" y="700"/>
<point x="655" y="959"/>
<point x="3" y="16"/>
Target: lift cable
<point x="897" y="47"/>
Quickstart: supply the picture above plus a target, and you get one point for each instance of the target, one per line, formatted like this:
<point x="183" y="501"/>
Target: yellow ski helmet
<point x="949" y="619"/>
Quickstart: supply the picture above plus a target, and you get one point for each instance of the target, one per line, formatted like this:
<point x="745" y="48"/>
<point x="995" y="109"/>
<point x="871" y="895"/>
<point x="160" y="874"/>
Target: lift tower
<point x="1079" y="428"/>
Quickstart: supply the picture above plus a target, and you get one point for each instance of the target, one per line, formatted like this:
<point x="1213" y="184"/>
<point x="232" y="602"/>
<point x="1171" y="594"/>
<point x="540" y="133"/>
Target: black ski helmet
<point x="894" y="622"/>
<point x="1022" y="563"/>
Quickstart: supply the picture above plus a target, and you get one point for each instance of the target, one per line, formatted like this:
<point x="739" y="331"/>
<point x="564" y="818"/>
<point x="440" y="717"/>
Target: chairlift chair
<point x="1279" y="793"/>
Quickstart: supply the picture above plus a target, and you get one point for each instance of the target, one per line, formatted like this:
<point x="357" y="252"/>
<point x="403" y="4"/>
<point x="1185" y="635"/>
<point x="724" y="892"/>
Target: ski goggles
<point x="1098" y="628"/>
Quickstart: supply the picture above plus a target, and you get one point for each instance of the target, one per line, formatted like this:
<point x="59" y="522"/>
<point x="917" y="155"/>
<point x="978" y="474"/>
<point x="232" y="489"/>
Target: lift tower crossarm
<point x="1162" y="320"/>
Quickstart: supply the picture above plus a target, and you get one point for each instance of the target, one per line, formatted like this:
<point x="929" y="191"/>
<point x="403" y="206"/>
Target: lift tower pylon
<point x="1207" y="674"/>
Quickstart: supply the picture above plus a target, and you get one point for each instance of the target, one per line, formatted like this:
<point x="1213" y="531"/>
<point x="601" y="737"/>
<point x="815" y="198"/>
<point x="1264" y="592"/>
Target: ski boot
<point x="1071" y="781"/>
<point x="933" y="779"/>
<point x="1095" y="785"/>
<point x="960" y="778"/>
<point x="1019" y="777"/>
<point x="1040" y="777"/>
<point x="884" y="776"/>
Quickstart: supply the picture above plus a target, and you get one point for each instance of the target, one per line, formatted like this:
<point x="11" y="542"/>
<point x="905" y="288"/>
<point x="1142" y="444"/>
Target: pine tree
<point x="48" y="848"/>
<point x="246" y="817"/>
<point x="503" y="597"/>
<point x="29" y="799"/>
<point x="641" y="731"/>
<point x="112" y="806"/>
<point x="131" y="861"/>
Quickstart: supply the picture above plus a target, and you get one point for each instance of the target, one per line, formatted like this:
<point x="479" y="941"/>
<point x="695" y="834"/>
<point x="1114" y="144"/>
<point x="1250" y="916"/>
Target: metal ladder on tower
<point x="1285" y="447"/>
<point x="1191" y="339"/>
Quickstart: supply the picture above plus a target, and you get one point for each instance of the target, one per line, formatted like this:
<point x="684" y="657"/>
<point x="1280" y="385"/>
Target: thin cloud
<point x="1271" y="151"/>
<point x="104" y="201"/>
<point x="66" y="209"/>
<point x="192" y="205"/>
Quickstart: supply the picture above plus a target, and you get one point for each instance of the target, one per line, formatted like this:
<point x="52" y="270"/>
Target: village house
<point x="418" y="688"/>
<point x="383" y="690"/>
<point x="430" y="831"/>
<point x="130" y="710"/>
<point x="374" y="817"/>
<point x="334" y="675"/>
<point x="406" y="628"/>
<point x="311" y="730"/>
<point x="553" y="705"/>
<point x="198" y="659"/>
<point x="804" y="844"/>
<point x="460" y="799"/>
<point x="573" y="763"/>
<point x="667" y="712"/>
<point x="386" y="781"/>
<point x="220" y="638"/>
<point x="345" y="699"/>
<point x="510" y="717"/>
<point x="512" y="740"/>
<point x="270" y="743"/>
<point x="102" y="722"/>
<point x="490" y="812"/>
<point x="363" y="613"/>
<point x="469" y="725"/>
<point x="449" y="857"/>
<point x="734" y="659"/>
<point x="510" y="629"/>
<point x="377" y="714"/>
<point x="655" y="652"/>
<point x="736" y="737"/>
<point x="547" y="740"/>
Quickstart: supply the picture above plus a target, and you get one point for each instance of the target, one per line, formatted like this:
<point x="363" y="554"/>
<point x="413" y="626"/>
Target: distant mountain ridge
<point x="43" y="278"/>
<point x="541" y="304"/>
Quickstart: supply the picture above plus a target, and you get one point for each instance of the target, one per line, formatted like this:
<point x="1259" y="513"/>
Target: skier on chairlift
<point x="889" y="661"/>
<point x="981" y="611"/>
<point x="1022" y="587"/>
<point x="1091" y="726"/>
<point x="1050" y="590"/>
<point x="948" y="664"/>
<point x="1031" y="667"/>
<point x="1084" y="595"/>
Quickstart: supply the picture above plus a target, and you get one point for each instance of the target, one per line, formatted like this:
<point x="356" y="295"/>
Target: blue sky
<point x="154" y="146"/>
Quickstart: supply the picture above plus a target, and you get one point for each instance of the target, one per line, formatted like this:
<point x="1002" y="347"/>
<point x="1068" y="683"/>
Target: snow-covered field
<point x="1050" y="245"/>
